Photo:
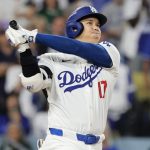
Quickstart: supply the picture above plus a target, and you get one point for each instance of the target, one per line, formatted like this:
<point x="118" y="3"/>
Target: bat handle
<point x="13" y="24"/>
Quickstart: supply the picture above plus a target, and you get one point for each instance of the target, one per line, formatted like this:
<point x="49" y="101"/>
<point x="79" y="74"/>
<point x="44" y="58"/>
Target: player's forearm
<point x="91" y="52"/>
<point x="29" y="64"/>
<point x="31" y="77"/>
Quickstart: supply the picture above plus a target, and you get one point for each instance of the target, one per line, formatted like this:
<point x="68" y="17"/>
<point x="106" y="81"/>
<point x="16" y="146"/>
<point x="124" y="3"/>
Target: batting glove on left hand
<point x="29" y="35"/>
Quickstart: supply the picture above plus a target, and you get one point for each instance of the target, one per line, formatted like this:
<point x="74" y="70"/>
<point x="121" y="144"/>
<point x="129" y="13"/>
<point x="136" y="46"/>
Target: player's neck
<point x="87" y="41"/>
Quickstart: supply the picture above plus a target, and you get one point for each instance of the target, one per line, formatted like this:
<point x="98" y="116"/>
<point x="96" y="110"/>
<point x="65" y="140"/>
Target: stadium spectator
<point x="14" y="139"/>
<point x="8" y="58"/>
<point x="50" y="10"/>
<point x="114" y="27"/>
<point x="14" y="115"/>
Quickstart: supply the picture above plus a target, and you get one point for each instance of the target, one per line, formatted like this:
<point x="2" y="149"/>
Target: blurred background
<point x="23" y="116"/>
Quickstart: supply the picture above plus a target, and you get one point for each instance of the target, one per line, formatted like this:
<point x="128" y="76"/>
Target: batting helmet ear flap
<point x="73" y="29"/>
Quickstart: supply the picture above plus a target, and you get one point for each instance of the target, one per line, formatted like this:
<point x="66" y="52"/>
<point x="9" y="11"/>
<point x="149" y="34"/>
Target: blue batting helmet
<point x="73" y="25"/>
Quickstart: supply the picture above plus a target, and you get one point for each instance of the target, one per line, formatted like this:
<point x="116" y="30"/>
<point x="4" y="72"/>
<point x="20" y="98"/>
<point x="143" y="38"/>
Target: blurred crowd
<point x="24" y="115"/>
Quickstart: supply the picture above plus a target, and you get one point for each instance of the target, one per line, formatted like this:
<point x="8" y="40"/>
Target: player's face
<point x="91" y="32"/>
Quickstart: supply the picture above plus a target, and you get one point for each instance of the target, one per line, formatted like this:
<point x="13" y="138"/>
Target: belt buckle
<point x="91" y="139"/>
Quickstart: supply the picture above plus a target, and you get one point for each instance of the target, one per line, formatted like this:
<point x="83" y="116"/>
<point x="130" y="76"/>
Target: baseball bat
<point x="13" y="24"/>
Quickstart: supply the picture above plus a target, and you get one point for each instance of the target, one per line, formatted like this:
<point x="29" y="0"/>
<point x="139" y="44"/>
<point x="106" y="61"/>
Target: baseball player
<point x="78" y="81"/>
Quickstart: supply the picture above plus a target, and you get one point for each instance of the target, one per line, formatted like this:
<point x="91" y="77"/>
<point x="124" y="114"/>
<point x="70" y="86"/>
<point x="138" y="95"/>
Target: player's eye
<point x="98" y="25"/>
<point x="89" y="22"/>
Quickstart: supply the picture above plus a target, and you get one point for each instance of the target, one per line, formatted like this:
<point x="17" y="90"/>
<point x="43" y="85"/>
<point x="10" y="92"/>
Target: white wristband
<point x="31" y="35"/>
<point x="23" y="47"/>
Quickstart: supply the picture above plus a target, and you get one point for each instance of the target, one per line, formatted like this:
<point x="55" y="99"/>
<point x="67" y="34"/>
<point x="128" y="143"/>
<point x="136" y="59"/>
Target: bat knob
<point x="13" y="24"/>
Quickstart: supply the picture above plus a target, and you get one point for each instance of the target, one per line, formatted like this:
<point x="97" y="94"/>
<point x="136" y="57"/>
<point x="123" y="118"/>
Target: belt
<point x="87" y="139"/>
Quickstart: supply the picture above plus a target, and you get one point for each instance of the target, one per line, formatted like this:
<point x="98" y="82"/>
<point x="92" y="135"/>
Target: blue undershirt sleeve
<point x="93" y="53"/>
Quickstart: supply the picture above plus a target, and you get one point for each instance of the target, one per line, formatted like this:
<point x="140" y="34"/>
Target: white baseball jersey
<point x="79" y="92"/>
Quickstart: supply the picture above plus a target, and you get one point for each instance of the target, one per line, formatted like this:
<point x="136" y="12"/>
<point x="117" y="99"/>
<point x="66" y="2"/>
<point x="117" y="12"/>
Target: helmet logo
<point x="93" y="9"/>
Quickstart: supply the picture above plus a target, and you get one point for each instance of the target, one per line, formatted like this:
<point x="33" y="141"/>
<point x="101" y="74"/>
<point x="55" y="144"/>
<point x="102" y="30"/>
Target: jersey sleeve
<point x="38" y="81"/>
<point x="89" y="51"/>
<point x="46" y="69"/>
<point x="114" y="54"/>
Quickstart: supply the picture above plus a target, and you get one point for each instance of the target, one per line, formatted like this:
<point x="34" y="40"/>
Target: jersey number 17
<point x="102" y="86"/>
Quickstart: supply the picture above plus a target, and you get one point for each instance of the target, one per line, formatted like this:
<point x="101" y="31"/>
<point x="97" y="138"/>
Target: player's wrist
<point x="30" y="35"/>
<point x="32" y="38"/>
<point x="23" y="47"/>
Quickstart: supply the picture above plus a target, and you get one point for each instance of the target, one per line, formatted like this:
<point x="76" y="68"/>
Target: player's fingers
<point x="12" y="29"/>
<point x="18" y="35"/>
<point x="10" y="37"/>
<point x="14" y="32"/>
<point x="20" y="27"/>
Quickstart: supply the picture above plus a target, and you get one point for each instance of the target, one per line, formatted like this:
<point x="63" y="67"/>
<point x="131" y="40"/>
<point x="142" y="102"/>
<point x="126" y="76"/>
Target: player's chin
<point x="95" y="38"/>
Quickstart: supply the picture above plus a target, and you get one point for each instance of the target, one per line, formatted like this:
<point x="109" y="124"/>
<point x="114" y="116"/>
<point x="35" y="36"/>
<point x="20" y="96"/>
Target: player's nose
<point x="96" y="28"/>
